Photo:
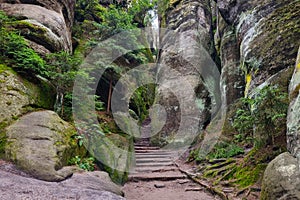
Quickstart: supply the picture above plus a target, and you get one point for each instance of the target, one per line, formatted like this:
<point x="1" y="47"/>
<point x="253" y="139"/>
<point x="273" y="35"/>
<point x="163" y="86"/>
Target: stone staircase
<point x="153" y="163"/>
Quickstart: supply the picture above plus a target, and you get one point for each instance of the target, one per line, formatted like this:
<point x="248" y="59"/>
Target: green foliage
<point x="99" y="105"/>
<point x="265" y="111"/>
<point x="62" y="69"/>
<point x="142" y="99"/>
<point x="79" y="139"/>
<point x="244" y="120"/>
<point x="15" y="51"/>
<point x="220" y="150"/>
<point x="116" y="20"/>
<point x="225" y="150"/>
<point x="87" y="164"/>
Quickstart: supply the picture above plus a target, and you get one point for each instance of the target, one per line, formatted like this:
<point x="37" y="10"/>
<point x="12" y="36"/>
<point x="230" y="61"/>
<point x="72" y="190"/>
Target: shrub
<point x="15" y="51"/>
<point x="225" y="150"/>
<point x="265" y="111"/>
<point x="83" y="163"/>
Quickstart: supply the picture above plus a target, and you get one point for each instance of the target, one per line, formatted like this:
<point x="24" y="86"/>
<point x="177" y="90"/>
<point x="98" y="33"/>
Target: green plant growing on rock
<point x="15" y="51"/>
<point x="225" y="150"/>
<point x="265" y="112"/>
<point x="87" y="164"/>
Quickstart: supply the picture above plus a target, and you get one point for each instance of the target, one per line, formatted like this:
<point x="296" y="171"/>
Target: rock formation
<point x="86" y="186"/>
<point x="40" y="144"/>
<point x="211" y="54"/>
<point x="186" y="66"/>
<point x="46" y="24"/>
<point x="282" y="176"/>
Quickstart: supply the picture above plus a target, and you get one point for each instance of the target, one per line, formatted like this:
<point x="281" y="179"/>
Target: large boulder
<point x="114" y="154"/>
<point x="282" y="179"/>
<point x="18" y="96"/>
<point x="97" y="180"/>
<point x="85" y="186"/>
<point x="40" y="143"/>
<point x="46" y="24"/>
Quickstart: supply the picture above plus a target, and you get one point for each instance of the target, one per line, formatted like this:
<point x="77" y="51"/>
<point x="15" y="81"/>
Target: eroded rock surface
<point x="293" y="119"/>
<point x="282" y="178"/>
<point x="186" y="67"/>
<point x="267" y="35"/>
<point x="85" y="185"/>
<point x="46" y="24"/>
<point x="18" y="95"/>
<point x="40" y="144"/>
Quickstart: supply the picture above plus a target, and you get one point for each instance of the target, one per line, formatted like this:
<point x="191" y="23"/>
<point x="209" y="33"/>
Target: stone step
<point x="139" y="151"/>
<point x="154" y="157"/>
<point x="156" y="176"/>
<point x="155" y="169"/>
<point x="153" y="160"/>
<point x="144" y="155"/>
<point x="145" y="148"/>
<point x="156" y="154"/>
<point x="156" y="164"/>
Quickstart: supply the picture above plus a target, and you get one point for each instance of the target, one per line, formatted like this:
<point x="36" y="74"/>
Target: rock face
<point x="185" y="67"/>
<point x="271" y="23"/>
<point x="40" y="144"/>
<point x="85" y="186"/>
<point x="246" y="65"/>
<point x="282" y="178"/>
<point x="293" y="123"/>
<point x="232" y="77"/>
<point x="17" y="94"/>
<point x="46" y="24"/>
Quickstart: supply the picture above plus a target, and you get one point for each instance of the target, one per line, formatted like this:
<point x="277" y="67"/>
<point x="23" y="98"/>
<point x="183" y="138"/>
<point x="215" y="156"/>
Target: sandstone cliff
<point x="46" y="24"/>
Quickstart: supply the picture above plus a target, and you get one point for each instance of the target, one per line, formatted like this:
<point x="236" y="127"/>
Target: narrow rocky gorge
<point x="226" y="79"/>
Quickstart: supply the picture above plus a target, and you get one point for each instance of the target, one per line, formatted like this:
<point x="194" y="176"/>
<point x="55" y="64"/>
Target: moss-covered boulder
<point x="18" y="96"/>
<point x="281" y="179"/>
<point x="40" y="143"/>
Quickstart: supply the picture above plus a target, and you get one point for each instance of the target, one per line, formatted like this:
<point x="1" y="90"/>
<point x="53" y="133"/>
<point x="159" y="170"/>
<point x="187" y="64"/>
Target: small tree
<point x="62" y="70"/>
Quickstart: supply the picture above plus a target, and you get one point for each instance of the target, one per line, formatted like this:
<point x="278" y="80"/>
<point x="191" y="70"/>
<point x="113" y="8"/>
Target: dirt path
<point x="173" y="190"/>
<point x="156" y="177"/>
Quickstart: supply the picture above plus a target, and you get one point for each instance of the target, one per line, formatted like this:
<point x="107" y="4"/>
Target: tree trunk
<point x="109" y="96"/>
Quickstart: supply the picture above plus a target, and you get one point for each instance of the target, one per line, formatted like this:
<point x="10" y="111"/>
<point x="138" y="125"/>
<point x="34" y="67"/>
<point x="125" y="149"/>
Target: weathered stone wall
<point x="46" y="24"/>
<point x="185" y="63"/>
<point x="267" y="34"/>
<point x="281" y="178"/>
<point x="293" y="119"/>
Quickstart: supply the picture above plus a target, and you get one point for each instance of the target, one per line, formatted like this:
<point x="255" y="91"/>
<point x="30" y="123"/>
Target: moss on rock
<point x="279" y="33"/>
